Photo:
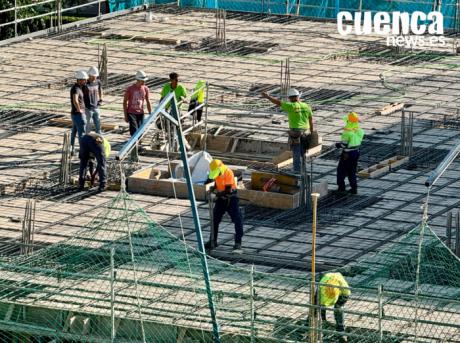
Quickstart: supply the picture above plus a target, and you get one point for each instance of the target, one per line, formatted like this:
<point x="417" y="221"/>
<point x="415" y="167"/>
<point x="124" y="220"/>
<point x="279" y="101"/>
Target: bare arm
<point x="310" y="120"/>
<point x="76" y="103"/>
<point x="147" y="100"/>
<point x="271" y="98"/>
<point x="100" y="93"/>
<point x="125" y="106"/>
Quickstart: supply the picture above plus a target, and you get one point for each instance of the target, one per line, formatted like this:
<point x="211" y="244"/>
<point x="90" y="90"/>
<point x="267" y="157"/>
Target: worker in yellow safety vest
<point x="350" y="142"/>
<point x="334" y="291"/>
<point x="197" y="99"/>
<point x="227" y="201"/>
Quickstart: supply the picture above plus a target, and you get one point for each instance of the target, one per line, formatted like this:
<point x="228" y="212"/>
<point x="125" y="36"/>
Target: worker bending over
<point x="93" y="144"/>
<point x="329" y="296"/>
<point x="300" y="118"/>
<point x="350" y="143"/>
<point x="227" y="201"/>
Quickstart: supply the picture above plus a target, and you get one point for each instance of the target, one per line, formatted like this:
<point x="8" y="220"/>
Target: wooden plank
<point x="235" y="143"/>
<point x="390" y="108"/>
<point x="218" y="143"/>
<point x="269" y="199"/>
<point x="258" y="179"/>
<point x="68" y="123"/>
<point x="383" y="167"/>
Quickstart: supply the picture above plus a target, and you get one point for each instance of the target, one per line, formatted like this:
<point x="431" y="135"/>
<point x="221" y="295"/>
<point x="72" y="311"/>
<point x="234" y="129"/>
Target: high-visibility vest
<point x="328" y="293"/>
<point x="352" y="137"/>
<point x="199" y="90"/>
<point x="225" y="178"/>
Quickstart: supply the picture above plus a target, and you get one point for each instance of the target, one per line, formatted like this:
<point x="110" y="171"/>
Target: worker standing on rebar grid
<point x="334" y="296"/>
<point x="133" y="106"/>
<point x="350" y="143"/>
<point x="196" y="100"/>
<point x="180" y="92"/>
<point x="93" y="99"/>
<point x="94" y="144"/>
<point x="300" y="118"/>
<point x="77" y="103"/>
<point x="227" y="201"/>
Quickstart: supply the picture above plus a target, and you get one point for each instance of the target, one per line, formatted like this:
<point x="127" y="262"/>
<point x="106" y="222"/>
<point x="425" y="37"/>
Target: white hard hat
<point x="93" y="72"/>
<point x="293" y="92"/>
<point x="81" y="75"/>
<point x="141" y="76"/>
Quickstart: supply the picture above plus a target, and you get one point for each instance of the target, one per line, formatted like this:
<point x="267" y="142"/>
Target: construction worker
<point x="77" y="103"/>
<point x="300" y="118"/>
<point x="351" y="139"/>
<point x="93" y="144"/>
<point x="334" y="291"/>
<point x="227" y="201"/>
<point x="197" y="99"/>
<point x="93" y="99"/>
<point x="180" y="92"/>
<point x="133" y="105"/>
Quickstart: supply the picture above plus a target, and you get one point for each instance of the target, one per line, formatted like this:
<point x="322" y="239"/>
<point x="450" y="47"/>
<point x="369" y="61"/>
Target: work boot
<point x="353" y="191"/>
<point x="343" y="339"/>
<point x="102" y="188"/>
<point x="237" y="248"/>
<point x="210" y="245"/>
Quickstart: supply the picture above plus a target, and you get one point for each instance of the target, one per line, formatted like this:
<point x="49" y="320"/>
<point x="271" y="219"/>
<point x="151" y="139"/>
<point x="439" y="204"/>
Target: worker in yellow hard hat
<point x="92" y="146"/>
<point x="334" y="291"/>
<point x="350" y="143"/>
<point x="227" y="201"/>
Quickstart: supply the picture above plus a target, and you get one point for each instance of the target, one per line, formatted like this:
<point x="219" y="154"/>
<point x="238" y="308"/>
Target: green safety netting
<point x="126" y="279"/>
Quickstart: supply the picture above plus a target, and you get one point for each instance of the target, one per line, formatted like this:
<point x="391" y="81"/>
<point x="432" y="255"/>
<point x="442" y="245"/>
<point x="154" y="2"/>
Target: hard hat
<point x="141" y="76"/>
<point x="293" y="92"/>
<point x="93" y="72"/>
<point x="81" y="75"/>
<point x="107" y="148"/>
<point x="214" y="168"/>
<point x="353" y="117"/>
<point x="330" y="291"/>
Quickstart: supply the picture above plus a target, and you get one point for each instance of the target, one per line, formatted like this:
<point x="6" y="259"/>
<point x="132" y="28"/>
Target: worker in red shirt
<point x="227" y="201"/>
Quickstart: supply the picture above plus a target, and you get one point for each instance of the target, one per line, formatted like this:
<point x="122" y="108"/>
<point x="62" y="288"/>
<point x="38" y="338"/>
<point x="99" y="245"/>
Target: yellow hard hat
<point x="214" y="168"/>
<point x="353" y="117"/>
<point x="330" y="291"/>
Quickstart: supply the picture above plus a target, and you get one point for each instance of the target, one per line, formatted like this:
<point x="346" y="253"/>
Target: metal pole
<point x="457" y="235"/>
<point x="297" y="10"/>
<point x="449" y="230"/>
<point x="215" y="327"/>
<point x="253" y="312"/>
<point x="112" y="293"/>
<point x="206" y="117"/>
<point x="99" y="9"/>
<point x="380" y="294"/>
<point x="15" y="18"/>
<point x="313" y="312"/>
<point x="436" y="174"/>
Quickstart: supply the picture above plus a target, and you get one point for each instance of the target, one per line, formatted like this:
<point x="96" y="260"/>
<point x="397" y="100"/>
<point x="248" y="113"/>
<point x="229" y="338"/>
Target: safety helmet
<point x="293" y="92"/>
<point x="93" y="71"/>
<point x="215" y="168"/>
<point x="330" y="291"/>
<point x="81" y="75"/>
<point x="141" y="76"/>
<point x="353" y="117"/>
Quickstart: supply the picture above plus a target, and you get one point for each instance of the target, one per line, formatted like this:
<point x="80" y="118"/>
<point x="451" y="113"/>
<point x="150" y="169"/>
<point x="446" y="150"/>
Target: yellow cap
<point x="214" y="168"/>
<point x="353" y="117"/>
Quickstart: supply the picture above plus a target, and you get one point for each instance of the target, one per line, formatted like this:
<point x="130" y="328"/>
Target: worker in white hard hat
<point x="78" y="108"/>
<point x="133" y="105"/>
<point x="300" y="118"/>
<point x="93" y="100"/>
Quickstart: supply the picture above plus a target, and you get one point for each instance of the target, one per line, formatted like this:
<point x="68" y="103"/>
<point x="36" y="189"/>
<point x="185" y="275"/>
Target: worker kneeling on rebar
<point x="95" y="145"/>
<point x="334" y="291"/>
<point x="227" y="201"/>
<point x="350" y="143"/>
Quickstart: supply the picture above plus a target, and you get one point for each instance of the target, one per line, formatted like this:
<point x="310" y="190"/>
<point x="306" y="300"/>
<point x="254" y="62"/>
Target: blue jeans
<point x="95" y="114"/>
<point x="296" y="156"/>
<point x="78" y="127"/>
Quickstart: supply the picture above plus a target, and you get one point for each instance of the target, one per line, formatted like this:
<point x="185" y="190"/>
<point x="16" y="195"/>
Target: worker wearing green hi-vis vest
<point x="180" y="92"/>
<point x="334" y="291"/>
<point x="196" y="100"/>
<point x="350" y="142"/>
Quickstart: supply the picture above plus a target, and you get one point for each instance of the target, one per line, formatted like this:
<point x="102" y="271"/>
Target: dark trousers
<point x="135" y="122"/>
<point x="89" y="146"/>
<point x="347" y="168"/>
<point x="338" y="313"/>
<point x="230" y="205"/>
<point x="198" y="113"/>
